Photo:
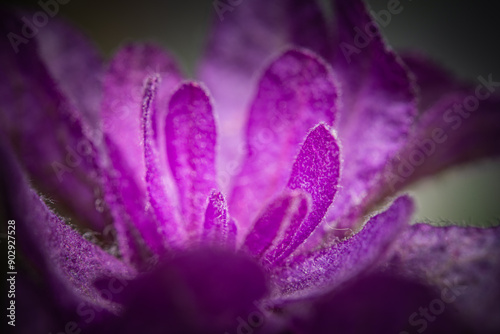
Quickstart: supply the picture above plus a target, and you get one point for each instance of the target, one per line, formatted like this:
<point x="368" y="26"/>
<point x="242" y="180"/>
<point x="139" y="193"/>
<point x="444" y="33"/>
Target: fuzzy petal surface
<point x="191" y="139"/>
<point x="378" y="109"/>
<point x="67" y="264"/>
<point x="218" y="228"/>
<point x="296" y="92"/>
<point x="316" y="171"/>
<point x="123" y="131"/>
<point x="283" y="214"/>
<point x="311" y="274"/>
<point x="166" y="227"/>
<point x="242" y="40"/>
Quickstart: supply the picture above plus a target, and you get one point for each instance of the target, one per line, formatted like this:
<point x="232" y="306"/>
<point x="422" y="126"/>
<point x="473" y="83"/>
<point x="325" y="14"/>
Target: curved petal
<point x="123" y="134"/>
<point x="447" y="135"/>
<point x="49" y="135"/>
<point x="378" y="108"/>
<point x="243" y="38"/>
<point x="77" y="68"/>
<point x="133" y="228"/>
<point x="311" y="274"/>
<point x="68" y="263"/>
<point x="316" y="171"/>
<point x="232" y="233"/>
<point x="121" y="107"/>
<point x="296" y="92"/>
<point x="459" y="126"/>
<point x="464" y="262"/>
<point x="433" y="81"/>
<point x="217" y="228"/>
<point x="166" y="226"/>
<point x="191" y="140"/>
<point x="281" y="215"/>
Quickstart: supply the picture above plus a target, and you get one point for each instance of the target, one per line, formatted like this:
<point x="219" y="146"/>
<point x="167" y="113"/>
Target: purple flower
<point x="137" y="210"/>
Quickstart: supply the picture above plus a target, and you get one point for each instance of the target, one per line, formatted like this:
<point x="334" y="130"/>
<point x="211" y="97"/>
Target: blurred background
<point x="461" y="35"/>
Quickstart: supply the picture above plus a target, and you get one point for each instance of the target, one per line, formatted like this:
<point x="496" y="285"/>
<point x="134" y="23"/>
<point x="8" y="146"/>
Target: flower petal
<point x="459" y="128"/>
<point x="202" y="291"/>
<point x="316" y="171"/>
<point x="433" y="81"/>
<point x="191" y="138"/>
<point x="165" y="226"/>
<point x="295" y="93"/>
<point x="242" y="40"/>
<point x="311" y="274"/>
<point x="284" y="213"/>
<point x="49" y="135"/>
<point x="133" y="226"/>
<point x="121" y="112"/>
<point x="378" y="108"/>
<point x="232" y="233"/>
<point x="217" y="229"/>
<point x="76" y="66"/>
<point x="68" y="263"/>
<point x="123" y="89"/>
<point x="464" y="262"/>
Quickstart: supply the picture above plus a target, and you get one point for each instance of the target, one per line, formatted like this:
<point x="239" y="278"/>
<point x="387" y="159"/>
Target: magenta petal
<point x="232" y="233"/>
<point x="48" y="133"/>
<point x="248" y="35"/>
<point x="284" y="213"/>
<point x="433" y="81"/>
<point x="166" y="226"/>
<point x="464" y="262"/>
<point x="239" y="46"/>
<point x="310" y="274"/>
<point x="378" y="109"/>
<point x="76" y="66"/>
<point x="458" y="124"/>
<point x="218" y="230"/>
<point x="121" y="112"/>
<point x="70" y="263"/>
<point x="121" y="108"/>
<point x="459" y="128"/>
<point x="135" y="229"/>
<point x="191" y="138"/>
<point x="296" y="92"/>
<point x="316" y="171"/>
